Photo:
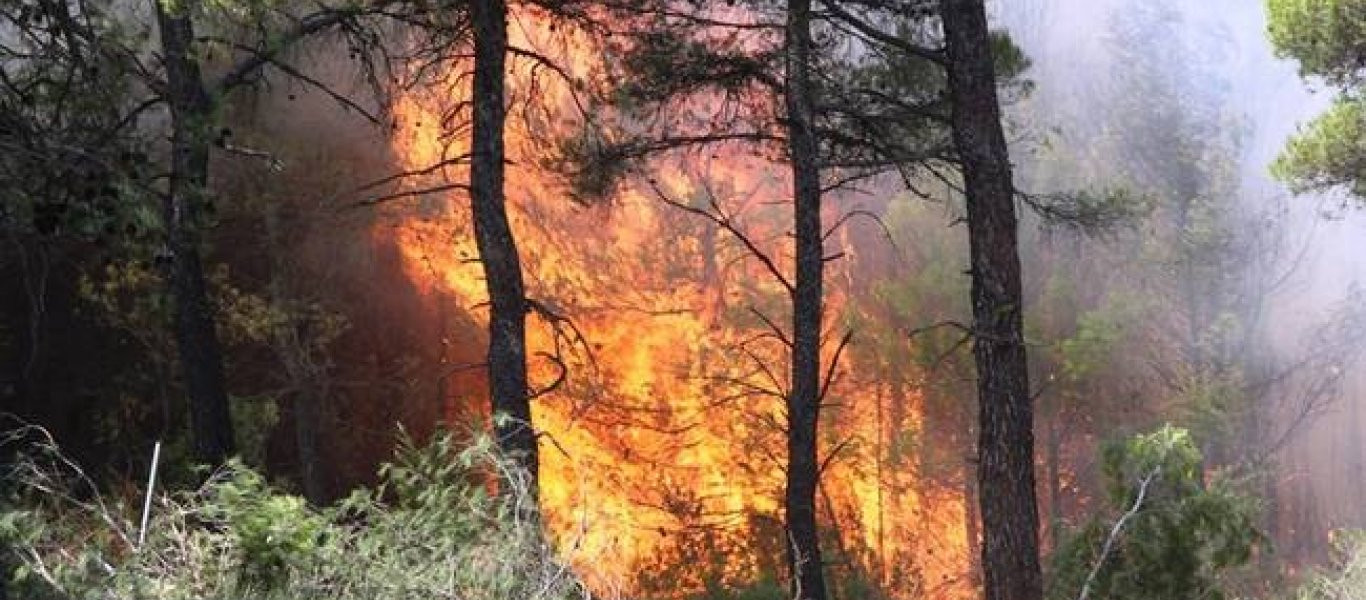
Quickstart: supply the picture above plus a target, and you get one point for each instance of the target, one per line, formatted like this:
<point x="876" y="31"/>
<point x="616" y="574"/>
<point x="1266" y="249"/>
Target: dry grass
<point x="430" y="531"/>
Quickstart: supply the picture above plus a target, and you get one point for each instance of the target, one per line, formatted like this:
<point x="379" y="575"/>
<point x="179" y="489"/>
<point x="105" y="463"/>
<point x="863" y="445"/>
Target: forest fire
<point x="682" y="300"/>
<point x="661" y="408"/>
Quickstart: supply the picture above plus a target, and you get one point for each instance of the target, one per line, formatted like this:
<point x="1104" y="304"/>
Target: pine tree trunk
<point x="803" y="401"/>
<point x="497" y="248"/>
<point x="1010" y="520"/>
<point x="196" y="337"/>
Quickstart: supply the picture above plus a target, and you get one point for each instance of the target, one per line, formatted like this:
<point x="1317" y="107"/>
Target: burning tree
<point x="677" y="61"/>
<point x="508" y="393"/>
<point x="844" y="113"/>
<point x="638" y="237"/>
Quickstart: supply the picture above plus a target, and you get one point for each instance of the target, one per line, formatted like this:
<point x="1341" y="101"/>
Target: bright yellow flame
<point x="653" y="448"/>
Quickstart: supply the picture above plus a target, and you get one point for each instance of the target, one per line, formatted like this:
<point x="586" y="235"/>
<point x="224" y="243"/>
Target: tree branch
<point x="1115" y="531"/>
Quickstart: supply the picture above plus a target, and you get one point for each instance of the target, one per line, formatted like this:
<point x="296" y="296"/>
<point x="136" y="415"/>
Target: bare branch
<point x="436" y="189"/>
<point x="427" y="170"/>
<point x="723" y="221"/>
<point x="834" y="362"/>
<point x="933" y="55"/>
<point x="1115" y="531"/>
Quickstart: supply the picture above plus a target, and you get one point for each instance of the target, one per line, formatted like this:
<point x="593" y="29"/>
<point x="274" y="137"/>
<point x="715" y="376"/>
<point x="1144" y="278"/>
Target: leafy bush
<point x="1174" y="533"/>
<point x="430" y="530"/>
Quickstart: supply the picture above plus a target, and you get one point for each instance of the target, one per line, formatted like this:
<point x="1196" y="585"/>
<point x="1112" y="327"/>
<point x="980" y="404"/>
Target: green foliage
<point x="665" y="62"/>
<point x="1177" y="533"/>
<point x="1328" y="38"/>
<point x="843" y="583"/>
<point x="129" y="296"/>
<point x="1325" y="36"/>
<point x="1329" y="152"/>
<point x="1213" y="404"/>
<point x="1098" y="333"/>
<point x="271" y="532"/>
<point x="1347" y="579"/>
<point x="253" y="420"/>
<point x="593" y="166"/>
<point x="1169" y="452"/>
<point x="1010" y="64"/>
<point x="73" y="169"/>
<point x="1094" y="212"/>
<point x="429" y="531"/>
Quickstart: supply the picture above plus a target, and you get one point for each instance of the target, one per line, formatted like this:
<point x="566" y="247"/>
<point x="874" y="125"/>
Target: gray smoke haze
<point x="1225" y="40"/>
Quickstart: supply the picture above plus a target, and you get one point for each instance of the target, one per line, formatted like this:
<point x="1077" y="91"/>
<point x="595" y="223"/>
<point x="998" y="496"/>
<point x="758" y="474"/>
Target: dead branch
<point x="1115" y="531"/>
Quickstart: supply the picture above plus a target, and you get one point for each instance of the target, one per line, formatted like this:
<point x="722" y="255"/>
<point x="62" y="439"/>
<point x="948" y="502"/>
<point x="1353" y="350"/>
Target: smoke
<point x="1225" y="57"/>
<point x="1263" y="101"/>
<point x="1075" y="58"/>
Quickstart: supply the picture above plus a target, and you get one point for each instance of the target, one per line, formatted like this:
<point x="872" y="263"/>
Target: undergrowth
<point x="430" y="530"/>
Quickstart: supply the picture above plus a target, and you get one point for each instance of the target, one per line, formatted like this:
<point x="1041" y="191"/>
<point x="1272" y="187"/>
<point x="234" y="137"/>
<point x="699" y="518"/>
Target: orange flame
<point x="662" y="459"/>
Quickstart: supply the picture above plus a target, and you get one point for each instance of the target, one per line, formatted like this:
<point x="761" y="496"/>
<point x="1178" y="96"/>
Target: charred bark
<point x="508" y="395"/>
<point x="803" y="400"/>
<point x="201" y="358"/>
<point x="1010" y="520"/>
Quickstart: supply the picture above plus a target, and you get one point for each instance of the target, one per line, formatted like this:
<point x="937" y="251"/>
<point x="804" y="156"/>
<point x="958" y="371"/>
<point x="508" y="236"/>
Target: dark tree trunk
<point x="497" y="248"/>
<point x="803" y="401"/>
<point x="1005" y="445"/>
<point x="196" y="338"/>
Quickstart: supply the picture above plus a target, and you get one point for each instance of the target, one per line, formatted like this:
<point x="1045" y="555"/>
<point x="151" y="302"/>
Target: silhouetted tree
<point x="201" y="358"/>
<point x="508" y="393"/>
<point x="804" y="395"/>
<point x="1010" y="520"/>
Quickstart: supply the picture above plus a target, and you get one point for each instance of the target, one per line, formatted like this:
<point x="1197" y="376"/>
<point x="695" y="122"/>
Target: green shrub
<point x="430" y="530"/>
<point x="1170" y="533"/>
